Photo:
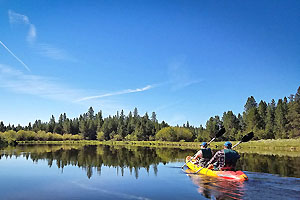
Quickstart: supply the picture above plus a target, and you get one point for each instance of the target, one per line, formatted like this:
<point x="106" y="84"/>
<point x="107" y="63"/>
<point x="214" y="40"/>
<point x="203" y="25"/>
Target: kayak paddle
<point x="219" y="134"/>
<point x="246" y="138"/>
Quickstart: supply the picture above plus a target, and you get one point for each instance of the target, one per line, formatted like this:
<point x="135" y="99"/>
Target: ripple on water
<point x="270" y="186"/>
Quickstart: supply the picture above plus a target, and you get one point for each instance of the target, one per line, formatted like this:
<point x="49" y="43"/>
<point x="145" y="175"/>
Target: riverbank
<point x="280" y="145"/>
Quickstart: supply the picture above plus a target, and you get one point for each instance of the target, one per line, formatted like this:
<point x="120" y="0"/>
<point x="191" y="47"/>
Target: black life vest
<point x="231" y="158"/>
<point x="206" y="153"/>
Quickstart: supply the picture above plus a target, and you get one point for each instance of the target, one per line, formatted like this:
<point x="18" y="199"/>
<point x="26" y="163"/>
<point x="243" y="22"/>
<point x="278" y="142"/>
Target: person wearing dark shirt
<point x="203" y="155"/>
<point x="224" y="159"/>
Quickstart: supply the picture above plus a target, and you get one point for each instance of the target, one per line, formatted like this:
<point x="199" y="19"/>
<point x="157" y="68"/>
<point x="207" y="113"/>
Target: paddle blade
<point x="220" y="132"/>
<point x="247" y="137"/>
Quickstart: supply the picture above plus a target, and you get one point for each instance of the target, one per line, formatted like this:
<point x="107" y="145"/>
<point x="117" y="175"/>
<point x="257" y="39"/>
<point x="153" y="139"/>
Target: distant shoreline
<point x="289" y="145"/>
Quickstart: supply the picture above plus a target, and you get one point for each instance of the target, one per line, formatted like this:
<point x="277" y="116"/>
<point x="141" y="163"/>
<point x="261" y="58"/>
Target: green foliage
<point x="131" y="137"/>
<point x="9" y="137"/>
<point x="100" y="136"/>
<point x="280" y="120"/>
<point x="66" y="136"/>
<point x="251" y="103"/>
<point x="252" y="120"/>
<point x="213" y="125"/>
<point x="166" y="134"/>
<point x="174" y="134"/>
<point x="267" y="121"/>
<point x="231" y="125"/>
<point x="293" y="116"/>
<point x="117" y="137"/>
<point x="202" y="135"/>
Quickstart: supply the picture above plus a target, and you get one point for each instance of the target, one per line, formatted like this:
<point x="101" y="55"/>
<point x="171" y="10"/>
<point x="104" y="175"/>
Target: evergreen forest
<point x="268" y="120"/>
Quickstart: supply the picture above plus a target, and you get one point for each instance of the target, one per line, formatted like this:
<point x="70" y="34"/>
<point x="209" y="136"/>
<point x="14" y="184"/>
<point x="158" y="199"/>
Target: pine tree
<point x="251" y="117"/>
<point x="270" y="121"/>
<point x="83" y="127"/>
<point x="29" y="126"/>
<point x="90" y="113"/>
<point x="51" y="124"/>
<point x="153" y="117"/>
<point x="213" y="125"/>
<point x="99" y="121"/>
<point x="130" y="124"/>
<point x="280" y="120"/>
<point x="242" y="125"/>
<point x="67" y="126"/>
<point x="105" y="129"/>
<point x="135" y="115"/>
<point x="2" y="127"/>
<point x="251" y="103"/>
<point x="293" y="116"/>
<point x="91" y="130"/>
<point x="262" y="110"/>
<point x="231" y="124"/>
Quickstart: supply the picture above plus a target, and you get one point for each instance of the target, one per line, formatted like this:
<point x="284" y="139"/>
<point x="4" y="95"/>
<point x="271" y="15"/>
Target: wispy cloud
<point x="44" y="49"/>
<point x="49" y="88"/>
<point x="19" y="82"/>
<point x="18" y="59"/>
<point x="54" y="52"/>
<point x="23" y="19"/>
<point x="148" y="87"/>
<point x="180" y="76"/>
<point x="17" y="18"/>
<point x="31" y="34"/>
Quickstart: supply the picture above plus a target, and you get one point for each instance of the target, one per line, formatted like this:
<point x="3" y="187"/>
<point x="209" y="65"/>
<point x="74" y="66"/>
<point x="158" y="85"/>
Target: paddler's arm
<point x="214" y="159"/>
<point x="198" y="154"/>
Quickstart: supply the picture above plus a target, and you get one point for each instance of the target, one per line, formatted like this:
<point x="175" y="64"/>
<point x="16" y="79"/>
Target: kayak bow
<point x="233" y="175"/>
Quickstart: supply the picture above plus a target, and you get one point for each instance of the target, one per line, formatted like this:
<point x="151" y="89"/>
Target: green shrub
<point x="100" y="136"/>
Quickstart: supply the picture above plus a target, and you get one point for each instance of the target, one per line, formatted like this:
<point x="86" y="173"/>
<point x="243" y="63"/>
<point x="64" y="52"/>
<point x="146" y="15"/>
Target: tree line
<point x="273" y="120"/>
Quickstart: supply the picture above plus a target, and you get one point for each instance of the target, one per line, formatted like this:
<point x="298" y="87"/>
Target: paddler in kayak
<point x="225" y="159"/>
<point x="203" y="155"/>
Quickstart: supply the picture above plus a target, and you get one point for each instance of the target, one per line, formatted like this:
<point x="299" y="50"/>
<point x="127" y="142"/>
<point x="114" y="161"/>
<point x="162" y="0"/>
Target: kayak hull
<point x="232" y="175"/>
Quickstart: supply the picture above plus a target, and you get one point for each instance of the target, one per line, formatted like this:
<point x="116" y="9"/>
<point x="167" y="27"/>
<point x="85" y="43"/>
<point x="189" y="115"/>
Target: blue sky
<point x="185" y="60"/>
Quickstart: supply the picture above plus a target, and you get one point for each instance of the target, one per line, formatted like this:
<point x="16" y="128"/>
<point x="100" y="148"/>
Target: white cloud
<point x="31" y="34"/>
<point x="49" y="88"/>
<point x="54" y="53"/>
<point x="45" y="50"/>
<point x="116" y="93"/>
<point x="19" y="82"/>
<point x="23" y="19"/>
<point x="17" y="18"/>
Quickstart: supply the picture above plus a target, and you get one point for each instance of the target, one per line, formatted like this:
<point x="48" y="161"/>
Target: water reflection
<point x="214" y="188"/>
<point x="281" y="165"/>
<point x="92" y="158"/>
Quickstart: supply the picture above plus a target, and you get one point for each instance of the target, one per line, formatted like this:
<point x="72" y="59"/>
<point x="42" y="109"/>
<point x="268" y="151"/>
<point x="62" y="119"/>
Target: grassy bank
<point x="281" y="144"/>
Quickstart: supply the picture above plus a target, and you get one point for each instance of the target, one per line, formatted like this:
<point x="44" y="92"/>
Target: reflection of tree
<point x="282" y="165"/>
<point x="94" y="157"/>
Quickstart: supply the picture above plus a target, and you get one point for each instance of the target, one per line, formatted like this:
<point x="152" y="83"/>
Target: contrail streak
<point x="15" y="56"/>
<point x="116" y="93"/>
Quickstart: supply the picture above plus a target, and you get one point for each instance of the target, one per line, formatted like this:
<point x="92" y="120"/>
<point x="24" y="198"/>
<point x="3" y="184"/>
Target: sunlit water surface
<point x="106" y="172"/>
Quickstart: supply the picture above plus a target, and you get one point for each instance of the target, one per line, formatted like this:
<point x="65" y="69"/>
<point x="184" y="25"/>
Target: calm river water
<point x="107" y="172"/>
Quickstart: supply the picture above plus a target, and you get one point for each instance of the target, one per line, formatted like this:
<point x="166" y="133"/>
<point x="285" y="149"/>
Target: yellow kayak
<point x="233" y="175"/>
